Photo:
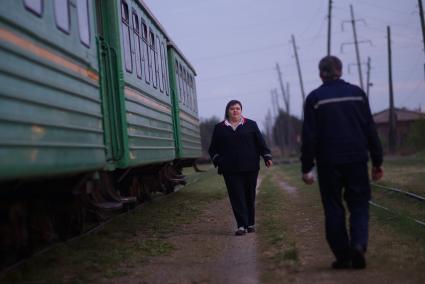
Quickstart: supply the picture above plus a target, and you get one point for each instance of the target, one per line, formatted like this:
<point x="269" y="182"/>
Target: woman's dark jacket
<point x="238" y="150"/>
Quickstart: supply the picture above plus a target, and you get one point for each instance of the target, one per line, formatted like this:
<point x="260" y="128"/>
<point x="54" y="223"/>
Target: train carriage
<point x="146" y="87"/>
<point x="187" y="130"/>
<point x="95" y="114"/>
<point x="50" y="105"/>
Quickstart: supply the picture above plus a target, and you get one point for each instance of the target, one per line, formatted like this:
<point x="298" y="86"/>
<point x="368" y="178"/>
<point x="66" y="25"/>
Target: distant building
<point x="404" y="120"/>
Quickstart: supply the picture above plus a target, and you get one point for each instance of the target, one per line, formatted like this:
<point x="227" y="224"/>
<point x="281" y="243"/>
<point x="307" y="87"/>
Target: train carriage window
<point x="159" y="64"/>
<point x="186" y="77"/>
<point x="192" y="85"/>
<point x="178" y="80"/>
<point x="136" y="37"/>
<point x="62" y="15"/>
<point x="152" y="59"/>
<point x="181" y="84"/>
<point x="189" y="85"/>
<point x="195" y="99"/>
<point x="125" y="24"/>
<point x="35" y="6"/>
<point x="145" y="53"/>
<point x="182" y="80"/>
<point x="164" y="67"/>
<point x="186" y="101"/>
<point x="83" y="21"/>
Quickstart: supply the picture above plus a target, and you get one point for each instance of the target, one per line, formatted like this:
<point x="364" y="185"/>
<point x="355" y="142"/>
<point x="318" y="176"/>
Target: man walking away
<point x="338" y="132"/>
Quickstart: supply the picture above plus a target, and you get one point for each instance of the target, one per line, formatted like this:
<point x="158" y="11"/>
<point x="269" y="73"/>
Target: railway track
<point x="393" y="189"/>
<point x="402" y="192"/>
<point x="422" y="223"/>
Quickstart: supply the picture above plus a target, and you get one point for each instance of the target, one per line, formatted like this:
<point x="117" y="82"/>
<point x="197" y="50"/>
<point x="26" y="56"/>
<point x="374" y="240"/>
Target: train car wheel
<point x="69" y="217"/>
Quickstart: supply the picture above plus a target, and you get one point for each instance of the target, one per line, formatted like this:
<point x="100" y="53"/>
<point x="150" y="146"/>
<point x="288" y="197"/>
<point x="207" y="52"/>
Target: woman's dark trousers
<point x="241" y="189"/>
<point x="354" y="179"/>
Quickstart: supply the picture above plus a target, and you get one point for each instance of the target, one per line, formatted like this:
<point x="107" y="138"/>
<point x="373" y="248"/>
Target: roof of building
<point x="402" y="114"/>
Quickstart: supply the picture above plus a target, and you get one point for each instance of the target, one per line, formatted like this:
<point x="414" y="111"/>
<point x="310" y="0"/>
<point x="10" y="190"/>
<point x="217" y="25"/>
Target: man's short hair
<point x="330" y="68"/>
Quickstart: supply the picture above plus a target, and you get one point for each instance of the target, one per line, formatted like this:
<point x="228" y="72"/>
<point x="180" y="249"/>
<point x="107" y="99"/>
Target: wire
<point x="235" y="95"/>
<point x="239" y="52"/>
<point x="231" y="75"/>
<point x="371" y="4"/>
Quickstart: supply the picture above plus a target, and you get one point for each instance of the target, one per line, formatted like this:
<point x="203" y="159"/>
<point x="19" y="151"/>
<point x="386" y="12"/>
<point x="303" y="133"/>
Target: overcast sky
<point x="234" y="46"/>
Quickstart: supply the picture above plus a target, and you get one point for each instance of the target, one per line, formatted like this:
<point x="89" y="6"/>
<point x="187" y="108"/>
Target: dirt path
<point x="206" y="251"/>
<point x="304" y="217"/>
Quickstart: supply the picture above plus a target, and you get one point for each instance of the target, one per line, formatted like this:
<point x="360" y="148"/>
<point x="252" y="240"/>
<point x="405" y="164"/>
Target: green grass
<point x="125" y="243"/>
<point x="278" y="251"/>
<point x="404" y="208"/>
<point x="405" y="172"/>
<point x="408" y="174"/>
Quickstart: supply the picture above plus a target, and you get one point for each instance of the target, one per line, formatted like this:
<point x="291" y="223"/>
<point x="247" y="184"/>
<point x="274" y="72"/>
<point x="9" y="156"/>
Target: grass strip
<point x="126" y="242"/>
<point x="277" y="251"/>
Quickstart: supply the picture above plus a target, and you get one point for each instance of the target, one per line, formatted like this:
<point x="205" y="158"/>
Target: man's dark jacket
<point x="238" y="150"/>
<point x="338" y="127"/>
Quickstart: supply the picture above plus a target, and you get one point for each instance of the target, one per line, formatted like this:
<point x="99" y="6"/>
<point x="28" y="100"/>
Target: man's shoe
<point x="251" y="229"/>
<point x="358" y="258"/>
<point x="338" y="264"/>
<point x="240" y="231"/>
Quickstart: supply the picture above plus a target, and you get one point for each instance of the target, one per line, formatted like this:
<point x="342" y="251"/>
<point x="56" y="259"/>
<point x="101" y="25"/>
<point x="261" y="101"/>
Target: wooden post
<point x="368" y="76"/>
<point x="329" y="26"/>
<point x="356" y="44"/>
<point x="298" y="68"/>
<point x="392" y="119"/>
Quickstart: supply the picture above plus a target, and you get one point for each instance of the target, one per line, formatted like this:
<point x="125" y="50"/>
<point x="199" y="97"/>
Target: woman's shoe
<point x="240" y="231"/>
<point x="251" y="229"/>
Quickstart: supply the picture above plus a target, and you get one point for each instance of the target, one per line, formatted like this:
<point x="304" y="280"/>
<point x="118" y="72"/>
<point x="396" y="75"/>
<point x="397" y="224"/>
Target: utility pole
<point x="289" y="125"/>
<point x="421" y="14"/>
<point x="274" y="104"/>
<point x="392" y="118"/>
<point x="282" y="88"/>
<point x="353" y="22"/>
<point x="287" y="108"/>
<point x="276" y="109"/>
<point x="269" y="128"/>
<point x="298" y="67"/>
<point x="368" y="77"/>
<point x="276" y="97"/>
<point x="330" y="26"/>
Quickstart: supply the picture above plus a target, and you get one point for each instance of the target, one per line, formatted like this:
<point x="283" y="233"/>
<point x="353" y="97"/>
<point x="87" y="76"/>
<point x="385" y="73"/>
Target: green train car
<point x="98" y="109"/>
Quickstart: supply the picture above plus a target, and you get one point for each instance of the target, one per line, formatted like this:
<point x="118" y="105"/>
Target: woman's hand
<point x="269" y="163"/>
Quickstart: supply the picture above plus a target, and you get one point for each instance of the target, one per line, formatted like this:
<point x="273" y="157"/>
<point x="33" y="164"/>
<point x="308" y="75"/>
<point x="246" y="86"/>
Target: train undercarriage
<point x="37" y="213"/>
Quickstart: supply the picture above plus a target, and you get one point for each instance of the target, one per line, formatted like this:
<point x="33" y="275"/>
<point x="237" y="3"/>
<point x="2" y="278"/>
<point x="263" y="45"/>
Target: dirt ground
<point x="207" y="251"/>
<point x="306" y="223"/>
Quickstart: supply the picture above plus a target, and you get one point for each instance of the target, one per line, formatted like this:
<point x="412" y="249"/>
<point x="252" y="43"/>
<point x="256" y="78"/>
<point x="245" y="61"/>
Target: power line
<point x="371" y="4"/>
<point x="413" y="93"/>
<point x="233" y="95"/>
<point x="231" y="75"/>
<point x="239" y="52"/>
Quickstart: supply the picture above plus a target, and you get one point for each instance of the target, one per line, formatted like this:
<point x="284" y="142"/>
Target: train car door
<point x="112" y="92"/>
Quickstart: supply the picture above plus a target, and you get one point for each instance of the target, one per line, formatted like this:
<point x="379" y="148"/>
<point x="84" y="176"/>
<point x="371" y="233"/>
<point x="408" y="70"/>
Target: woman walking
<point x="236" y="146"/>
